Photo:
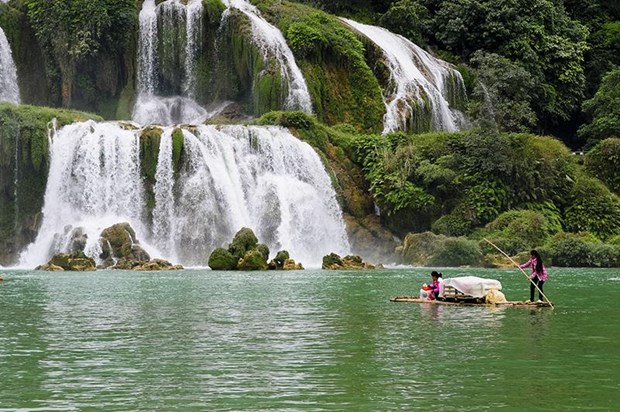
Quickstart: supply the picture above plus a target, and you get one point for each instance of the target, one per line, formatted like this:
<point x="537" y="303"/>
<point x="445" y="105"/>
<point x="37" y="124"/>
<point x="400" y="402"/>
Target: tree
<point x="603" y="110"/>
<point x="504" y="93"/>
<point x="408" y="18"/>
<point x="544" y="41"/>
<point x="603" y="162"/>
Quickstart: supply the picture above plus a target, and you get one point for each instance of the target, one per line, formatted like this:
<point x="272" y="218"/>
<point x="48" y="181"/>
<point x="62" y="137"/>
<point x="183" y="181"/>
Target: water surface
<point x="311" y="340"/>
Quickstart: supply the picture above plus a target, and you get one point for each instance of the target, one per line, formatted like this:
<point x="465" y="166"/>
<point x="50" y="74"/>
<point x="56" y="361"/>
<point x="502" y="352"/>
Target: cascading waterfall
<point x="416" y="76"/>
<point x="272" y="44"/>
<point x="149" y="107"/>
<point x="94" y="182"/>
<point x="258" y="177"/>
<point x="230" y="177"/>
<point x="9" y="90"/>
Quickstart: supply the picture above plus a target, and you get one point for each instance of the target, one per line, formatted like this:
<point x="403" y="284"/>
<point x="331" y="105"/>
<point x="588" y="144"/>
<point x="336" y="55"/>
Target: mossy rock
<point x="48" y="267"/>
<point x="252" y="260"/>
<point x="263" y="250"/>
<point x="222" y="259"/>
<point x="244" y="240"/>
<point x="331" y="260"/>
<point x="120" y="237"/>
<point x="349" y="262"/>
<point x="290" y="264"/>
<point x="78" y="262"/>
<point x="157" y="264"/>
<point x="281" y="257"/>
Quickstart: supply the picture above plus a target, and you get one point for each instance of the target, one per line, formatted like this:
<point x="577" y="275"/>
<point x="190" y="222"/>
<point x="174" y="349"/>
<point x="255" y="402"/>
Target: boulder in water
<point x="157" y="264"/>
<point x="119" y="242"/>
<point x="77" y="262"/>
<point x="252" y="260"/>
<point x="290" y="264"/>
<point x="244" y="240"/>
<point x="222" y="259"/>
<point x="245" y="253"/>
<point x="349" y="262"/>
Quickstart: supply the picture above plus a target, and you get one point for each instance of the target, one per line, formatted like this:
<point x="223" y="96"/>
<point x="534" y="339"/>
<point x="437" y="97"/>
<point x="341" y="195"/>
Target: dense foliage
<point x="537" y="61"/>
<point x="69" y="31"/>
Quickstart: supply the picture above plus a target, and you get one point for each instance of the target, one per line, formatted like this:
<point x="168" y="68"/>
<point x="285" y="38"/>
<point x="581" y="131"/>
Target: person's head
<point x="539" y="263"/>
<point x="435" y="275"/>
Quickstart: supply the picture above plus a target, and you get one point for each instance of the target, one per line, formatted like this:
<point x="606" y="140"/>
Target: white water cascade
<point x="9" y="91"/>
<point x="150" y="107"/>
<point x="272" y="44"/>
<point x="416" y="76"/>
<point x="230" y="177"/>
<point x="94" y="182"/>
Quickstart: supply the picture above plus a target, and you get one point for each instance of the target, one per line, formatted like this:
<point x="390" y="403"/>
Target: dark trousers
<point x="533" y="288"/>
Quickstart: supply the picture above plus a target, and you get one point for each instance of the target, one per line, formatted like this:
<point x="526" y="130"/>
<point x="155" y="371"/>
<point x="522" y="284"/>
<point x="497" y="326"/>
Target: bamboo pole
<point x="522" y="271"/>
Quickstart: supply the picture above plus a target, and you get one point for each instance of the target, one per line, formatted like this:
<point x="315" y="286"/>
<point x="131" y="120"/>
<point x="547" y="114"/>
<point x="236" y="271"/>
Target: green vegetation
<point x="334" y="64"/>
<point x="72" y="31"/>
<point x="604" y="110"/>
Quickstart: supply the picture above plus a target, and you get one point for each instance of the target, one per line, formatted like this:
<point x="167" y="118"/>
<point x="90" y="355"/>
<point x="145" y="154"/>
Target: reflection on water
<point x="297" y="341"/>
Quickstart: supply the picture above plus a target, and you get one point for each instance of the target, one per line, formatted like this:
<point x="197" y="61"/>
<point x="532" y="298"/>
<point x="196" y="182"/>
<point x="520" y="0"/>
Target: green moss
<point x="222" y="259"/>
<point x="149" y="152"/>
<point x="342" y="85"/>
<point x="177" y="149"/>
<point x="125" y="102"/>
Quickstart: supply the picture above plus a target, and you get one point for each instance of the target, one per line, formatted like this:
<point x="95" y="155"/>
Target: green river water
<point x="303" y="341"/>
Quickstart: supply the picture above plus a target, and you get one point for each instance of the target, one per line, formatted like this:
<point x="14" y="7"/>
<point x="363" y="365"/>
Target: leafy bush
<point x="457" y="252"/>
<point x="518" y="230"/>
<point x="593" y="208"/>
<point x="453" y="224"/>
<point x="604" y="109"/>
<point x="605" y="255"/>
<point x="603" y="161"/>
<point x="583" y="250"/>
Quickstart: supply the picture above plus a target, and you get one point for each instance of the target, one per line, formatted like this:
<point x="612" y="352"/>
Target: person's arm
<point x="526" y="264"/>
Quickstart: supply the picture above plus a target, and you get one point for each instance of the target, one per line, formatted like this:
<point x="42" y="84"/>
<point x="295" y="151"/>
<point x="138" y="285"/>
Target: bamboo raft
<point x="469" y="302"/>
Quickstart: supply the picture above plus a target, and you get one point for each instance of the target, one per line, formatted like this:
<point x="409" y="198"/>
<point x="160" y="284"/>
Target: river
<point x="311" y="340"/>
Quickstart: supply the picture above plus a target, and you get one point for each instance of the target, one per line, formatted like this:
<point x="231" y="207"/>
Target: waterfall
<point x="9" y="91"/>
<point x="417" y="79"/>
<point x="229" y="177"/>
<point x="151" y="107"/>
<point x="94" y="182"/>
<point x="272" y="44"/>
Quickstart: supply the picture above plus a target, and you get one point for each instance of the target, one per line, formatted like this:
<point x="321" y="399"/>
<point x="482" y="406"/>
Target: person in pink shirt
<point x="434" y="286"/>
<point x="538" y="276"/>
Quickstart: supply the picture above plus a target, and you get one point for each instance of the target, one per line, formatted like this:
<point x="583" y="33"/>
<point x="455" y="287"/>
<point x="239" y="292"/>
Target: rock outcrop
<point x="121" y="250"/>
<point x="349" y="262"/>
<point x="245" y="253"/>
<point x="77" y="262"/>
<point x="282" y="261"/>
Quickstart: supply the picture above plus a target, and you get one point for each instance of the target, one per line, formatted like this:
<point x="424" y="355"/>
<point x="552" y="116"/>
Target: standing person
<point x="538" y="276"/>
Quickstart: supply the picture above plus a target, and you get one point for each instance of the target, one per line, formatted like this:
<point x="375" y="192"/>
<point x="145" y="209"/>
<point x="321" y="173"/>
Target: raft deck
<point x="469" y="302"/>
